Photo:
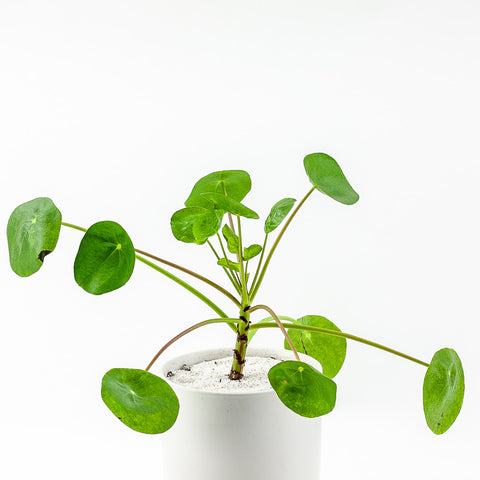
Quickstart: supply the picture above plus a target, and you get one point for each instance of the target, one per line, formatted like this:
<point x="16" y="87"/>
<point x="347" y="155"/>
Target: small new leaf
<point x="231" y="238"/>
<point x="224" y="262"/>
<point x="443" y="390"/>
<point x="32" y="233"/>
<point x="251" y="252"/>
<point x="142" y="401"/>
<point x="279" y="211"/>
<point x="105" y="258"/>
<point x="303" y="389"/>
<point x="327" y="177"/>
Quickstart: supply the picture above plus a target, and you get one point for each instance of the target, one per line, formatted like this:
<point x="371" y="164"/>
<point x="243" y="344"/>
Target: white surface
<point x="115" y="108"/>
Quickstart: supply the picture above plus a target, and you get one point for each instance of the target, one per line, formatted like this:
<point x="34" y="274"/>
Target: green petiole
<point x="227" y="271"/>
<point x="279" y="325"/>
<point x="193" y="274"/>
<point x="340" y="334"/>
<point x="275" y="244"/>
<point x="199" y="295"/>
<point x="230" y="321"/>
<point x="259" y="263"/>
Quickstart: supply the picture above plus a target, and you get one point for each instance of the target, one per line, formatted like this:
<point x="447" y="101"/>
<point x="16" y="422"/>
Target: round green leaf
<point x="443" y="389"/>
<point x="142" y="401"/>
<point x="329" y="350"/>
<point x="303" y="389"/>
<point x="279" y="211"/>
<point x="195" y="224"/>
<point x="327" y="176"/>
<point x="221" y="202"/>
<point x="32" y="233"/>
<point x="232" y="183"/>
<point x="105" y="258"/>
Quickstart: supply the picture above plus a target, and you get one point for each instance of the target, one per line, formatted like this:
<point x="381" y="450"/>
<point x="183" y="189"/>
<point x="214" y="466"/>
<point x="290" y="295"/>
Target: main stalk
<point x="239" y="353"/>
<point x="240" y="350"/>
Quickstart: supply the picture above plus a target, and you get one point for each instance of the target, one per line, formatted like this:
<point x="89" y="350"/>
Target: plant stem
<point x="259" y="264"/>
<point x="193" y="274"/>
<point x="243" y="277"/>
<point x="230" y="321"/>
<point x="277" y="240"/>
<point x="240" y="350"/>
<point x="230" y="220"/>
<point x="185" y="285"/>
<point x="237" y="277"/>
<point x="343" y="335"/>
<point x="233" y="279"/>
<point x="217" y="256"/>
<point x="76" y="227"/>
<point x="279" y="324"/>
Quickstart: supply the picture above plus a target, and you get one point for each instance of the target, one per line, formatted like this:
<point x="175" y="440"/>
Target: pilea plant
<point x="106" y="258"/>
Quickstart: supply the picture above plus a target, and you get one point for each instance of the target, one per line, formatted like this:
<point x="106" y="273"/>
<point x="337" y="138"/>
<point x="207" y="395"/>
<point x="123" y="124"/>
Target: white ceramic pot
<point x="238" y="436"/>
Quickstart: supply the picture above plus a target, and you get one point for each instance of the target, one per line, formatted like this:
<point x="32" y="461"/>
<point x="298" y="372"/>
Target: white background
<point x="115" y="108"/>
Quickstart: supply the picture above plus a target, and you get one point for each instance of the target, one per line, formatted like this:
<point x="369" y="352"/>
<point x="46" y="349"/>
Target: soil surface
<point x="212" y="376"/>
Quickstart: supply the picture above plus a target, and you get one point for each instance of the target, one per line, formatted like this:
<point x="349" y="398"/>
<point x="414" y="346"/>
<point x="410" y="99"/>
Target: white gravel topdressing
<point x="212" y="376"/>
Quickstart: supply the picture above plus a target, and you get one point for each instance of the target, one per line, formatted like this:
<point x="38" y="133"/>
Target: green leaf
<point x="142" y="401"/>
<point x="231" y="238"/>
<point x="443" y="389"/>
<point x="252" y="251"/>
<point x="224" y="262"/>
<point x="195" y="224"/>
<point x="32" y="233"/>
<point x="329" y="350"/>
<point x="327" y="176"/>
<point x="227" y="204"/>
<point x="303" y="389"/>
<point x="279" y="211"/>
<point x="105" y="258"/>
<point x="232" y="183"/>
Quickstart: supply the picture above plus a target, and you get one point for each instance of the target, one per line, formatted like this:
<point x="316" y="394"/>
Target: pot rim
<point x="208" y="354"/>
